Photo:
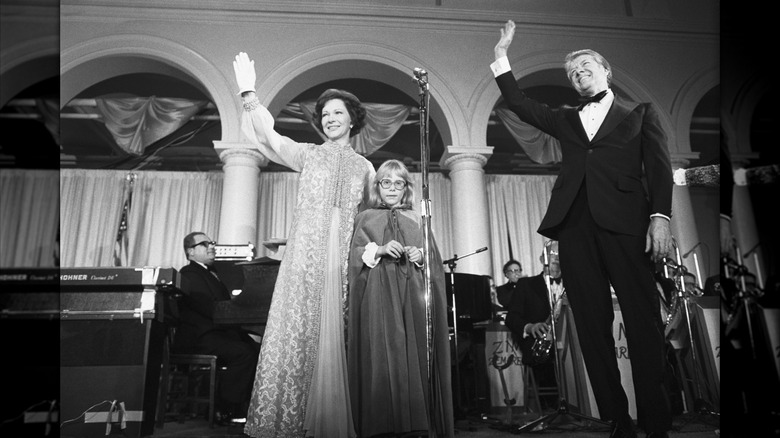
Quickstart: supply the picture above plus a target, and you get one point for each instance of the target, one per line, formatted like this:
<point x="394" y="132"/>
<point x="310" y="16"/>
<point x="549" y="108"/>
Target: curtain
<point x="29" y="208"/>
<point x="166" y="206"/>
<point x="137" y="122"/>
<point x="540" y="147"/>
<point x="517" y="204"/>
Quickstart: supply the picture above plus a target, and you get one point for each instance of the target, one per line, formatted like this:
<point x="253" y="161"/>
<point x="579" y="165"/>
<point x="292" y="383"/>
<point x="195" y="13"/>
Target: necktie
<point x="584" y="100"/>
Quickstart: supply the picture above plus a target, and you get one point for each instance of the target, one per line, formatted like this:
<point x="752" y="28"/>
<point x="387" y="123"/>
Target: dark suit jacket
<point x="201" y="291"/>
<point x="630" y="142"/>
<point x="530" y="304"/>
<point x="504" y="293"/>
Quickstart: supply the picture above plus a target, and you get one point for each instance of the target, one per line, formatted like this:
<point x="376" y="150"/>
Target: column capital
<point x="455" y="155"/>
<point x="232" y="153"/>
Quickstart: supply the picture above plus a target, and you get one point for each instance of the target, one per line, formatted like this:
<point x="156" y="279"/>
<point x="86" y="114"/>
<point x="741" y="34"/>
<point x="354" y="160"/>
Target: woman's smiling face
<point x="336" y="122"/>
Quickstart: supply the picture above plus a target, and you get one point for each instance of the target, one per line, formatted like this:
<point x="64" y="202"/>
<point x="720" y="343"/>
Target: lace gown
<point x="300" y="386"/>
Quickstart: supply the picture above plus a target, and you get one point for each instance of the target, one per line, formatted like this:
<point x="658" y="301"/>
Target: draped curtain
<point x="29" y="209"/>
<point x="540" y="147"/>
<point x="137" y="122"/>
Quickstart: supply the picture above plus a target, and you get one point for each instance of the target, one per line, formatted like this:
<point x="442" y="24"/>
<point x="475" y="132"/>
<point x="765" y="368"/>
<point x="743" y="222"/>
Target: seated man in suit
<point x="528" y="317"/>
<point x="197" y="333"/>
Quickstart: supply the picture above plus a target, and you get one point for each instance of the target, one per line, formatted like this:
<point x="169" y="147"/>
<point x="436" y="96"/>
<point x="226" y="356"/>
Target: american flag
<point x="121" y="244"/>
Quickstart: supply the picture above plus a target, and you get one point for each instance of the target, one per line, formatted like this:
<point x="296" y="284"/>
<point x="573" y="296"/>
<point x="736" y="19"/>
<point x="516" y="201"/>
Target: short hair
<point x="596" y="55"/>
<point x="388" y="168"/>
<point x="189" y="240"/>
<point x="510" y="263"/>
<point x="357" y="113"/>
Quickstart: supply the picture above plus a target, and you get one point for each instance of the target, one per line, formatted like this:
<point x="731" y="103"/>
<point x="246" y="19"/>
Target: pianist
<point x="197" y="333"/>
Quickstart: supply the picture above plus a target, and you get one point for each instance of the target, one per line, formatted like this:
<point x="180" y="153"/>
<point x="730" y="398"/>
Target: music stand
<point x="563" y="405"/>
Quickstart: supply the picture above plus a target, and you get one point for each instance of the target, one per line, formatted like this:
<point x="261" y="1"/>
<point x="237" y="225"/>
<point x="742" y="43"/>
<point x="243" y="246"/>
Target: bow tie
<point x="584" y="100"/>
<point x="555" y="280"/>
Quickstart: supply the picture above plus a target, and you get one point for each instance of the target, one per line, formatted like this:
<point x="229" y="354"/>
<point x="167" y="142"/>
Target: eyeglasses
<point x="386" y="183"/>
<point x="513" y="271"/>
<point x="205" y="243"/>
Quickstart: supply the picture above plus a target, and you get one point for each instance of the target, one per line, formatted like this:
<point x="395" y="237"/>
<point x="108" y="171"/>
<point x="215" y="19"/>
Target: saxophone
<point x="540" y="351"/>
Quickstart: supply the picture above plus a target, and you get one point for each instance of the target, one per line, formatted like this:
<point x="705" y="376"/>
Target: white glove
<point x="245" y="73"/>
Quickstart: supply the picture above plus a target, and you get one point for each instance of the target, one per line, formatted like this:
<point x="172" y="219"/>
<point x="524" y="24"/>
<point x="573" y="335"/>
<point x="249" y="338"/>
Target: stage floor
<point x="686" y="425"/>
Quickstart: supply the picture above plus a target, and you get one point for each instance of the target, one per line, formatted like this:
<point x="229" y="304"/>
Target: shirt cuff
<point x="500" y="66"/>
<point x="660" y="215"/>
<point x="525" y="330"/>
<point x="369" y="255"/>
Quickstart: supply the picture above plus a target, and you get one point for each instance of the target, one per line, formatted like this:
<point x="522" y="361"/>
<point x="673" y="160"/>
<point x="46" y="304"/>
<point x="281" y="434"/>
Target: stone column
<point x="238" y="214"/>
<point x="683" y="225"/>
<point x="743" y="225"/>
<point x="470" y="223"/>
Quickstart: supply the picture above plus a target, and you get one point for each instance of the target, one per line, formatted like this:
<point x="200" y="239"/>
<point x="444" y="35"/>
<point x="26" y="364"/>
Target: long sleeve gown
<point x="300" y="386"/>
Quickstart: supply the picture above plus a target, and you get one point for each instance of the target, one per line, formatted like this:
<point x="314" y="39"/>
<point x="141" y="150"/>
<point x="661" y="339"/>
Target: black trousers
<point x="591" y="259"/>
<point x="238" y="352"/>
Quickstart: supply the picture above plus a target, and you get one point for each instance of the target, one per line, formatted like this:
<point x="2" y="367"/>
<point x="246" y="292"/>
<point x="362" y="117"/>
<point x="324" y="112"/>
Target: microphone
<point x="419" y="73"/>
<point x="690" y="250"/>
<point x="481" y="249"/>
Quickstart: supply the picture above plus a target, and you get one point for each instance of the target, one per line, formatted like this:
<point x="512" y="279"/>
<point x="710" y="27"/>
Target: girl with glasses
<point x="387" y="337"/>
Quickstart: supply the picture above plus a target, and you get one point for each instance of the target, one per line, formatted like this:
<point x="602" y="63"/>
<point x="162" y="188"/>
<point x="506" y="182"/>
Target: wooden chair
<point x="181" y="382"/>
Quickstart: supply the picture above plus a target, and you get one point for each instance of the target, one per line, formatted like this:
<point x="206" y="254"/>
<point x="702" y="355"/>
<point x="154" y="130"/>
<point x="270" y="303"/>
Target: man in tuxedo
<point x="609" y="210"/>
<point x="197" y="332"/>
<point x="528" y="316"/>
<point x="513" y="271"/>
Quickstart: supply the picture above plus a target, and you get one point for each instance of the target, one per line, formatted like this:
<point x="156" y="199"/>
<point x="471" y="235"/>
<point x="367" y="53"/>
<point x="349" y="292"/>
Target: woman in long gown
<point x="387" y="330"/>
<point x="300" y="386"/>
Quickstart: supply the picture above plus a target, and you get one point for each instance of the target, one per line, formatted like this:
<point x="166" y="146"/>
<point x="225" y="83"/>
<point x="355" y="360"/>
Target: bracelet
<point x="252" y="104"/>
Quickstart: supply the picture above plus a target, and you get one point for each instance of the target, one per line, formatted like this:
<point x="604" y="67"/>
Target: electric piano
<point x="113" y="324"/>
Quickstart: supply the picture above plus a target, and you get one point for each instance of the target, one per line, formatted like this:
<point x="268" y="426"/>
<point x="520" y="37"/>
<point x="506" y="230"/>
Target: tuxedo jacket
<point x="504" y="293"/>
<point x="530" y="304"/>
<point x="201" y="291"/>
<point x="625" y="168"/>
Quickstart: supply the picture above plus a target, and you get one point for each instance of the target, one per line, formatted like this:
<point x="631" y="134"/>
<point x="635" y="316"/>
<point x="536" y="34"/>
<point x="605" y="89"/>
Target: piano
<point x="256" y="279"/>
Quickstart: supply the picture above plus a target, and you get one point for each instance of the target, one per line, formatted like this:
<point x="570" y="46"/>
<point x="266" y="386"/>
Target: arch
<point x="487" y="94"/>
<point x="123" y="54"/>
<point x="366" y="61"/>
<point x="26" y="64"/>
<point x="737" y="120"/>
<point x="685" y="102"/>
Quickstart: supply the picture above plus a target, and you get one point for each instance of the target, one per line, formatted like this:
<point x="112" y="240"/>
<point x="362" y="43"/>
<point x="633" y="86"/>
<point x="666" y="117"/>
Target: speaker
<point x="109" y="376"/>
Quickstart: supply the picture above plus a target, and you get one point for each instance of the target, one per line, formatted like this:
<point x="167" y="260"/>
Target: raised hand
<point x="507" y="33"/>
<point x="245" y="72"/>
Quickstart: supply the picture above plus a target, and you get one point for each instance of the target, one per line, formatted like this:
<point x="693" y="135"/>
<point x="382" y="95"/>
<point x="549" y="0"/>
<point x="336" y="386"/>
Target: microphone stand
<point x="421" y="77"/>
<point x="451" y="263"/>
<point x="683" y="299"/>
<point x="563" y="405"/>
